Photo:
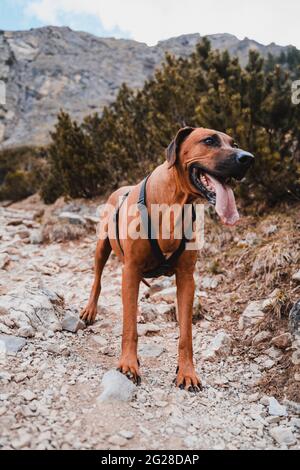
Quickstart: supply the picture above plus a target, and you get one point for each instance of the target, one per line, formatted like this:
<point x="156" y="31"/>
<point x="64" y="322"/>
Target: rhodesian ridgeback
<point x="199" y="166"/>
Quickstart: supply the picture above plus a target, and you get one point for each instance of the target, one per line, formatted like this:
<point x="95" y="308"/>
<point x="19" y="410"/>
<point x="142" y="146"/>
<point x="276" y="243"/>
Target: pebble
<point x="151" y="350"/>
<point x="283" y="435"/>
<point x="116" y="387"/>
<point x="117" y="440"/>
<point x="28" y="395"/>
<point x="11" y="344"/>
<point x="126" y="434"/>
<point x="72" y="324"/>
<point x="275" y="409"/>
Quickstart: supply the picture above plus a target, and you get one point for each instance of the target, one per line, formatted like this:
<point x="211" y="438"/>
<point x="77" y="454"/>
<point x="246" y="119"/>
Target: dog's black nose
<point x="244" y="159"/>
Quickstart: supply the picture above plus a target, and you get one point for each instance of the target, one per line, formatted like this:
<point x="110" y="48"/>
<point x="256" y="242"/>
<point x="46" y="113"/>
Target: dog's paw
<point x="89" y="313"/>
<point x="130" y="368"/>
<point x="187" y="379"/>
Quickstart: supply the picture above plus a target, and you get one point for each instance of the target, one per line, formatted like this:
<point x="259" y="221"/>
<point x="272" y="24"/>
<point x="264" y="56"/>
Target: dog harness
<point x="165" y="265"/>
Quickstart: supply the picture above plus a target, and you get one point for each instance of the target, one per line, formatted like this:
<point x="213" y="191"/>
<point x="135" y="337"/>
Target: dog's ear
<point x="172" y="152"/>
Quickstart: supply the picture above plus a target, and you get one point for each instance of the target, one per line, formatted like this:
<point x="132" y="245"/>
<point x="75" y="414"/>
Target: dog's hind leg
<point x="103" y="250"/>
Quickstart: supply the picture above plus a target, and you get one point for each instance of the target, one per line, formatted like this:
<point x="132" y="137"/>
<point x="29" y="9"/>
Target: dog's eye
<point x="210" y="141"/>
<point x="235" y="145"/>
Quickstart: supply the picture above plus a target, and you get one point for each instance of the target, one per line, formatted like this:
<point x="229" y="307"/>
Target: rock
<point x="282" y="341"/>
<point x="296" y="276"/>
<point x="24" y="440"/>
<point x="254" y="397"/>
<point x="71" y="218"/>
<point x="283" y="436"/>
<point x="72" y="324"/>
<point x="11" y="344"/>
<point x="261" y="337"/>
<point x="28" y="395"/>
<point x="220" y="346"/>
<point x="117" y="440"/>
<point x="36" y="237"/>
<point x="99" y="340"/>
<point x="26" y="332"/>
<point x="126" y="434"/>
<point x="296" y="358"/>
<point x="23" y="234"/>
<point x="148" y="312"/>
<point x="166" y="295"/>
<point x="40" y="62"/>
<point x="254" y="313"/>
<point x="116" y="387"/>
<point x="149" y="350"/>
<point x="275" y="409"/>
<point x="144" y="329"/>
<point x="210" y="282"/>
<point x="4" y="260"/>
<point x="20" y="377"/>
<point x="294" y="317"/>
<point x="33" y="306"/>
<point x="268" y="364"/>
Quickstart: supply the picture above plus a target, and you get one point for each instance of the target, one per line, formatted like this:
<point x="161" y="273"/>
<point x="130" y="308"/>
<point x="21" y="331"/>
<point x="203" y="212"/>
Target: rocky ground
<point x="52" y="392"/>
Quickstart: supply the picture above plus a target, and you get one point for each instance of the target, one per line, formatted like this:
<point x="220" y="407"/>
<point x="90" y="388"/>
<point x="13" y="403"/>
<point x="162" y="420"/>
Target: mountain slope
<point x="50" y="68"/>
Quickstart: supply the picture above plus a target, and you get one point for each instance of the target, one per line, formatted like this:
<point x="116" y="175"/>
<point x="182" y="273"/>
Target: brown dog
<point x="200" y="163"/>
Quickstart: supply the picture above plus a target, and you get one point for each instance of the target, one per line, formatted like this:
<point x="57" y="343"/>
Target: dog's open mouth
<point x="216" y="192"/>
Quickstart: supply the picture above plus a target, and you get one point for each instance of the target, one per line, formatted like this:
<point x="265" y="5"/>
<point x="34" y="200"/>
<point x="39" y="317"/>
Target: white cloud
<point x="152" y="20"/>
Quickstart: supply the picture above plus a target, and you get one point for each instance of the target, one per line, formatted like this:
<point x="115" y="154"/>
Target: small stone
<point x="126" y="434"/>
<point x="210" y="282"/>
<point x="11" y="344"/>
<point x="117" y="440"/>
<point x="4" y="260"/>
<point x="220" y="346"/>
<point x="36" y="237"/>
<point x="275" y="409"/>
<point x="261" y="337"/>
<point x="71" y="218"/>
<point x="23" y="234"/>
<point x="72" y="324"/>
<point x="294" y="317"/>
<point x="283" y="436"/>
<point x="297" y="377"/>
<point x="296" y="358"/>
<point x="296" y="276"/>
<point x="99" y="340"/>
<point x="28" y="395"/>
<point x="3" y="410"/>
<point x="20" y="377"/>
<point x="254" y="397"/>
<point x="268" y="364"/>
<point x="148" y="312"/>
<point x="116" y="387"/>
<point x="145" y="329"/>
<point x="282" y="341"/>
<point x="24" y="440"/>
<point x="26" y="332"/>
<point x="166" y="295"/>
<point x="149" y="350"/>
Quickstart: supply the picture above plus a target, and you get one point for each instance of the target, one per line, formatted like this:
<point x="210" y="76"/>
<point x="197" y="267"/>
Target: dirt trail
<point x="49" y="390"/>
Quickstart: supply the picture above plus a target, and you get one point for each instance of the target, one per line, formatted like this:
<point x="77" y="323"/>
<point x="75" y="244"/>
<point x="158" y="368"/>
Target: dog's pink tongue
<point x="225" y="203"/>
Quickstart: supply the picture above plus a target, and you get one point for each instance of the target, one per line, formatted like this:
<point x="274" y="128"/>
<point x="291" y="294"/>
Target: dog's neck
<point x="168" y="185"/>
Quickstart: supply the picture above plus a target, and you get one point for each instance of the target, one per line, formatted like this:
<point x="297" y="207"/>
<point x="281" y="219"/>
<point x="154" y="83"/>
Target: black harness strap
<point x="116" y="220"/>
<point x="166" y="265"/>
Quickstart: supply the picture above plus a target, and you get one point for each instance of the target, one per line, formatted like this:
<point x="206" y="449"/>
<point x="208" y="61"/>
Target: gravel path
<point x="49" y="391"/>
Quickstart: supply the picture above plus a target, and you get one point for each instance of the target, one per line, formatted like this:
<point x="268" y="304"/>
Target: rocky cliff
<point x="51" y="68"/>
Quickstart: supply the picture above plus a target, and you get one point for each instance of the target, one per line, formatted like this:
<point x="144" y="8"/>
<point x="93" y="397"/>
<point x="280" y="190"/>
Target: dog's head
<point x="207" y="160"/>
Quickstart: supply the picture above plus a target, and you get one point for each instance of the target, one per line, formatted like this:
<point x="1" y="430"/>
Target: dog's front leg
<point x="129" y="363"/>
<point x="186" y="375"/>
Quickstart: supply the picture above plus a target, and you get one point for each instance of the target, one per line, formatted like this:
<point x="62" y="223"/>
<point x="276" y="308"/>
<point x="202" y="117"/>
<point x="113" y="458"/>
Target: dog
<point x="199" y="165"/>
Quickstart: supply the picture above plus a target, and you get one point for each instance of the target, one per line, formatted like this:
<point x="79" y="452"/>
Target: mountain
<point x="50" y="68"/>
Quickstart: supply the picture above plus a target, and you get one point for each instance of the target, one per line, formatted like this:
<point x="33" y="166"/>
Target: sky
<point x="150" y="21"/>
